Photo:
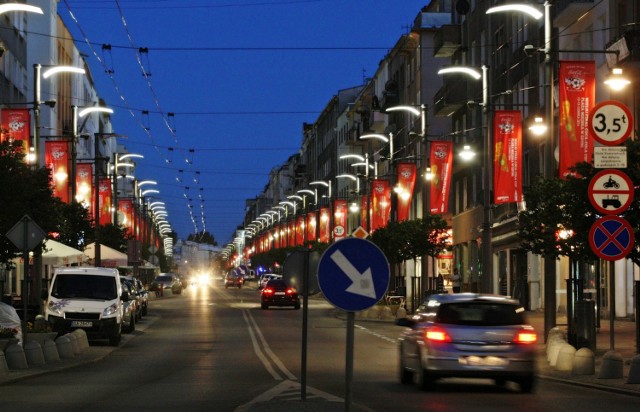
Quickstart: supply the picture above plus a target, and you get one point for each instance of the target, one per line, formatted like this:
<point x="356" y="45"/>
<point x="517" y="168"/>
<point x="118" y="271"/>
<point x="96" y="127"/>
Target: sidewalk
<point x="624" y="341"/>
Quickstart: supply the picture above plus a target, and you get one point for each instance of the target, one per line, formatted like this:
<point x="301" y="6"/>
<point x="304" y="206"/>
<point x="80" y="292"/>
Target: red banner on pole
<point x="381" y="203"/>
<point x="311" y="226"/>
<point x="364" y="211"/>
<point x="104" y="190"/>
<point x="324" y="235"/>
<point x="56" y="155"/>
<point x="339" y="219"/>
<point x="291" y="233"/>
<point x="405" y="185"/>
<point x="577" y="84"/>
<point x="84" y="185"/>
<point x="125" y="214"/>
<point x="441" y="161"/>
<point x="507" y="161"/>
<point x="300" y="231"/>
<point x="16" y="126"/>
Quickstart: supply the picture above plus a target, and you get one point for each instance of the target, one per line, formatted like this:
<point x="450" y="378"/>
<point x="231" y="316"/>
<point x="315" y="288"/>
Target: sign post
<point x="353" y="274"/>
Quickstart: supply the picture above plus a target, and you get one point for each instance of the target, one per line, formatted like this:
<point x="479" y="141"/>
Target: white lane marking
<point x="259" y="353"/>
<point x="267" y="349"/>
<point x="285" y="388"/>
<point x="376" y="334"/>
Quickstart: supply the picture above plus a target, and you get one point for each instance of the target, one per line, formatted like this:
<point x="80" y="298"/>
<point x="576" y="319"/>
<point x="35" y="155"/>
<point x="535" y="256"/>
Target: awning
<point x="108" y="257"/>
<point x="59" y="254"/>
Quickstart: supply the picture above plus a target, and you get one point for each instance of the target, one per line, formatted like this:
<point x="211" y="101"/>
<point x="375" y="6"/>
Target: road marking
<point x="267" y="349"/>
<point x="258" y="351"/>
<point x="284" y="391"/>
<point x="377" y="335"/>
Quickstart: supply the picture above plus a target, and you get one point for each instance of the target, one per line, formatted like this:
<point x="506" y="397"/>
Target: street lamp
<point x="486" y="282"/>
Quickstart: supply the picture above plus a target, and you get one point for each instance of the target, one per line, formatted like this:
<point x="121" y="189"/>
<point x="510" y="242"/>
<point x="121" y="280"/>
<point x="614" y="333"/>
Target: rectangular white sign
<point x="610" y="157"/>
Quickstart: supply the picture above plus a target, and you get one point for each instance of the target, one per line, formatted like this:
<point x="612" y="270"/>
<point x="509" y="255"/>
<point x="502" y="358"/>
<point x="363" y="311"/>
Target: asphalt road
<point x="214" y="349"/>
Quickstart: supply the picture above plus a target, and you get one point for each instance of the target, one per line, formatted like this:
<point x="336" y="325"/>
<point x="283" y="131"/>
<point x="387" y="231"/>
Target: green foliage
<point x="410" y="239"/>
<point x="555" y="204"/>
<point x="73" y="224"/>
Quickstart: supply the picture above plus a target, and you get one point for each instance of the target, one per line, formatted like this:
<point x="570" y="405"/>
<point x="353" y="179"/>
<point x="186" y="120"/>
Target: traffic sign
<point x="611" y="191"/>
<point x="360" y="233"/>
<point x="26" y="234"/>
<point x="293" y="270"/>
<point x="610" y="123"/>
<point x="353" y="274"/>
<point x="611" y="238"/>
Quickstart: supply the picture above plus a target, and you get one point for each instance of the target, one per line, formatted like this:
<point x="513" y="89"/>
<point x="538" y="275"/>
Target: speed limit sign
<point x="610" y="123"/>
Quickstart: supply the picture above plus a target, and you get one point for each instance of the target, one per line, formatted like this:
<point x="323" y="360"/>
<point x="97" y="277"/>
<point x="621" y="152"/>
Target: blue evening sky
<point x="232" y="82"/>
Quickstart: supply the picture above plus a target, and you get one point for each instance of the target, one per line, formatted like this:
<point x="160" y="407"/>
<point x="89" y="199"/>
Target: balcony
<point x="450" y="98"/>
<point x="567" y="10"/>
<point x="447" y="40"/>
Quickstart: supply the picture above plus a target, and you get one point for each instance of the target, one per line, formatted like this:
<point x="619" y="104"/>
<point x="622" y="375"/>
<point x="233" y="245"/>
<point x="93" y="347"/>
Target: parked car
<point x="468" y="335"/>
<point x="129" y="307"/>
<point x="233" y="280"/>
<point x="135" y="292"/>
<point x="278" y="293"/>
<point x="266" y="278"/>
<point x="168" y="281"/>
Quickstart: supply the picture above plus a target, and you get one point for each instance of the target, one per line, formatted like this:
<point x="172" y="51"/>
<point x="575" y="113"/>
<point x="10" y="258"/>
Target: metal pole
<point x="637" y="295"/>
<point x="486" y="282"/>
<point x="25" y="281"/>
<point x="115" y="189"/>
<point x="36" y="111"/>
<point x="549" y="261"/>
<point x="349" y="360"/>
<point x="305" y="316"/>
<point x="74" y="153"/>
<point x="96" y="201"/>
<point x="612" y="304"/>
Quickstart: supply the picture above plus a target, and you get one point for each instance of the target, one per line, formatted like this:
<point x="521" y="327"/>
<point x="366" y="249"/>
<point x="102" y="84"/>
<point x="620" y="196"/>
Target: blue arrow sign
<point x="353" y="274"/>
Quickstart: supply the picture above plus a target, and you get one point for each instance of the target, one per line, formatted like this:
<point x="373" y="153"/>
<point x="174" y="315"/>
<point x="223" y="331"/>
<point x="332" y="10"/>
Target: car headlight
<point x="55" y="308"/>
<point x="110" y="310"/>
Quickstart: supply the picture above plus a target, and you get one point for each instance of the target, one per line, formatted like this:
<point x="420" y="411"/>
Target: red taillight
<point x="290" y="291"/>
<point x="526" y="337"/>
<point x="436" y="334"/>
<point x="267" y="291"/>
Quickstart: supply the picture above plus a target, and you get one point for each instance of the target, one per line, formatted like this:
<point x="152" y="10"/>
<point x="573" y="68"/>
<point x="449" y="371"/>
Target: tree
<point x="33" y="198"/>
<point x="115" y="237"/>
<point x="73" y="224"/>
<point x="410" y="239"/>
<point x="558" y="204"/>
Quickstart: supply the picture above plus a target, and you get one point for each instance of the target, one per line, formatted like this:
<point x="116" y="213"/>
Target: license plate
<point x="81" y="324"/>
<point x="279" y="293"/>
<point x="483" y="361"/>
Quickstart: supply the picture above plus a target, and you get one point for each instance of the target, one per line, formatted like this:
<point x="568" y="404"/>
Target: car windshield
<point x="84" y="287"/>
<point x="164" y="278"/>
<point x="480" y="314"/>
<point x="276" y="283"/>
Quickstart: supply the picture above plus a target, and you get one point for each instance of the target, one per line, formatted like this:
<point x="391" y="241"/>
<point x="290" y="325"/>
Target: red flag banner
<point x="291" y="233"/>
<point x="104" y="200"/>
<point x="300" y="231"/>
<point x="339" y="219"/>
<point x="381" y="203"/>
<point x="84" y="185"/>
<point x="441" y="161"/>
<point x="364" y="211"/>
<point x="404" y="189"/>
<point x="507" y="156"/>
<point x="16" y="126"/>
<point x="125" y="214"/>
<point x="325" y="225"/>
<point x="577" y="97"/>
<point x="56" y="155"/>
<point x="311" y="226"/>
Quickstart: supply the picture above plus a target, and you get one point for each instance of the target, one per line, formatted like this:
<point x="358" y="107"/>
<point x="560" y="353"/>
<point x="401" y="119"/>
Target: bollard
<point x="565" y="357"/>
<point x="611" y="366"/>
<point x="634" y="371"/>
<point x="584" y="362"/>
<point x="553" y="345"/>
<point x="3" y="363"/>
<point x="33" y="353"/>
<point x="83" y="341"/>
<point x="386" y="313"/>
<point x="401" y="313"/>
<point x="14" y="355"/>
<point x="65" y="349"/>
<point x="374" y="312"/>
<point x="74" y="342"/>
<point x="50" y="351"/>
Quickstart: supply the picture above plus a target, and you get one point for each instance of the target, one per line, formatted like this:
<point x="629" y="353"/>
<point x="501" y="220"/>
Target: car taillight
<point x="267" y="291"/>
<point x="290" y="291"/>
<point x="437" y="334"/>
<point x="526" y="337"/>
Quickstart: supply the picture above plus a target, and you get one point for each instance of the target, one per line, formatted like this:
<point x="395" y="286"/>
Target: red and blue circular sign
<point x="611" y="238"/>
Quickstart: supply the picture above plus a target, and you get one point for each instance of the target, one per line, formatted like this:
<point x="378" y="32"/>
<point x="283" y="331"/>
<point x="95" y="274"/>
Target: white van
<point x="87" y="298"/>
